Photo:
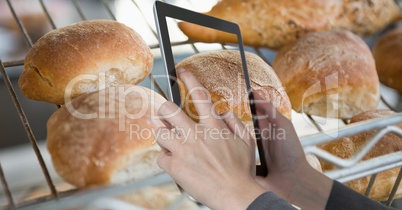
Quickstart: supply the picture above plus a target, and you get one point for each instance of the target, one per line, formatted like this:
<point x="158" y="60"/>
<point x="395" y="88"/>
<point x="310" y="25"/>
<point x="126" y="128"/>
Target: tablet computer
<point x="163" y="12"/>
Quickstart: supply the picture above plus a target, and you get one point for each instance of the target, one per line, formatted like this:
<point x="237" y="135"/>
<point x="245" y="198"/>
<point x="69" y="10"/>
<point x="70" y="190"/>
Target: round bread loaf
<point x="221" y="73"/>
<point x="84" y="57"/>
<point x="106" y="137"/>
<point x="348" y="146"/>
<point x="329" y="74"/>
<point x="387" y="55"/>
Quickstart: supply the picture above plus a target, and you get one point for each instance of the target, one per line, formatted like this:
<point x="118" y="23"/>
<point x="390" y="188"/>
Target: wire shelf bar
<point x="150" y="76"/>
<point x="79" y="10"/>
<point x="382" y="98"/>
<point x="109" y="10"/>
<point x="259" y="53"/>
<point x="394" y="188"/>
<point x="143" y="16"/>
<point x="360" y="153"/>
<point x="84" y="196"/>
<point x="6" y="189"/>
<point x="359" y="127"/>
<point x="368" y="167"/>
<point x="314" y="123"/>
<point x="28" y="129"/>
<point x="28" y="39"/>
<point x="370" y="185"/>
<point x="7" y="64"/>
<point x="47" y="14"/>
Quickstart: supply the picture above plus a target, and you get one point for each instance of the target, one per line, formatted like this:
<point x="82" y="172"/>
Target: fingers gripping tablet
<point x="238" y="94"/>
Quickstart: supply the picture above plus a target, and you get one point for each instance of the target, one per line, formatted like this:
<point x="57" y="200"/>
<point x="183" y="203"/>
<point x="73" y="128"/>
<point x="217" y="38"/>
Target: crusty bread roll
<point x="221" y="73"/>
<point x="106" y="137"/>
<point x="275" y="23"/>
<point x="329" y="73"/>
<point x="102" y="52"/>
<point x="387" y="55"/>
<point x="348" y="146"/>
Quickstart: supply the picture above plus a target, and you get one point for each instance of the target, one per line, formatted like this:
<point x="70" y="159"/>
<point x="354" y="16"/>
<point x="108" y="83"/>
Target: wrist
<point x="312" y="190"/>
<point x="240" y="195"/>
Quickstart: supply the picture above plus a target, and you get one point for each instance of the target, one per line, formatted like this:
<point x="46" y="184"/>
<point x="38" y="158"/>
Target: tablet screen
<point x="220" y="68"/>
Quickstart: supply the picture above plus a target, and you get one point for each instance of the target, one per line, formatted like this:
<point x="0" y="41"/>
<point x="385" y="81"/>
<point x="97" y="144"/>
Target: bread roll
<point x="367" y="17"/>
<point x="329" y="74"/>
<point x="348" y="146"/>
<point x="106" y="137"/>
<point x="267" y="23"/>
<point x="275" y="23"/>
<point x="221" y="73"/>
<point x="102" y="52"/>
<point x="387" y="55"/>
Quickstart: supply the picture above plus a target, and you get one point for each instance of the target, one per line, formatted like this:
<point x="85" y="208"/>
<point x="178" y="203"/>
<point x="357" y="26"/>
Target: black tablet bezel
<point x="164" y="10"/>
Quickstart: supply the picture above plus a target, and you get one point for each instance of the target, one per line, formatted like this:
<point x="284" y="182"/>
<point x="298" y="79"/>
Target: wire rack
<point x="349" y="169"/>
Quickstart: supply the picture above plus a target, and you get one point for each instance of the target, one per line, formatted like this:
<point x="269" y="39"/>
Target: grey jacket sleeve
<point x="341" y="198"/>
<point x="270" y="200"/>
<point x="344" y="198"/>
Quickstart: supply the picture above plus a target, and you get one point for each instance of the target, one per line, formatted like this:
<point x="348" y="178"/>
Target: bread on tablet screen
<point x="387" y="55"/>
<point x="329" y="74"/>
<point x="106" y="137"/>
<point x="221" y="73"/>
<point x="348" y="146"/>
<point x="102" y="52"/>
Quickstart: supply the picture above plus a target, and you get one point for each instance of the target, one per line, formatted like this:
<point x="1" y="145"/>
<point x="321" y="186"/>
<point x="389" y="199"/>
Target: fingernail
<point x="180" y="70"/>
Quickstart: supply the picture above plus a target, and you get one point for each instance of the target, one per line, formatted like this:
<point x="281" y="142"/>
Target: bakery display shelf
<point x="347" y="169"/>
